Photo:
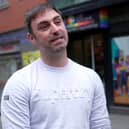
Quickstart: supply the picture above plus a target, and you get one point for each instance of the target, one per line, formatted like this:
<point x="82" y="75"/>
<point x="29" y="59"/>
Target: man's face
<point x="49" y="32"/>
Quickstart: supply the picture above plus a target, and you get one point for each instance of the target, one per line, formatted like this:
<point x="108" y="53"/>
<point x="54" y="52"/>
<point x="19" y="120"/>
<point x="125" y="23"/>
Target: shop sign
<point x="9" y="48"/>
<point x="81" y="22"/>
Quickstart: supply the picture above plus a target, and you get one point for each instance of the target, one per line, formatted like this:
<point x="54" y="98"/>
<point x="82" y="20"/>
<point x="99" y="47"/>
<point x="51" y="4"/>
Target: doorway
<point x="88" y="50"/>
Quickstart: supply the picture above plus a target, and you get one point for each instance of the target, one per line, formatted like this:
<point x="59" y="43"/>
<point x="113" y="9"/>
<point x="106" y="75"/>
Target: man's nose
<point x="54" y="28"/>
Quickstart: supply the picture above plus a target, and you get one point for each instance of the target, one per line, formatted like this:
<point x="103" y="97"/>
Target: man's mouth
<point x="57" y="40"/>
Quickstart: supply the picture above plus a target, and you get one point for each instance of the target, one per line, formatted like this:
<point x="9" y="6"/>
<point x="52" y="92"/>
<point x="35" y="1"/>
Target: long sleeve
<point x="15" y="105"/>
<point x="99" y="114"/>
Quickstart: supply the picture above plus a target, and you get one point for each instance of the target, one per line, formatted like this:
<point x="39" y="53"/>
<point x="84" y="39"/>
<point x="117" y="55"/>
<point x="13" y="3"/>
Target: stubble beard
<point x="56" y="52"/>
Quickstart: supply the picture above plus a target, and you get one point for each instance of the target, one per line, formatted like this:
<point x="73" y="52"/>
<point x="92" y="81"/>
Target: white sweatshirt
<point x="44" y="97"/>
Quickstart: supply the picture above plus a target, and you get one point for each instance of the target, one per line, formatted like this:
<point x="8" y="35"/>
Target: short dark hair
<point x="33" y="12"/>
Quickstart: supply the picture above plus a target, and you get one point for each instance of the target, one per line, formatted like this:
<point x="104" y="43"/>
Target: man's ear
<point x="31" y="38"/>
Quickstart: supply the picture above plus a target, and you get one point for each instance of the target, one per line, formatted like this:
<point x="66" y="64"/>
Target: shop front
<point x="87" y="39"/>
<point x="119" y="39"/>
<point x="99" y="40"/>
<point x="106" y="50"/>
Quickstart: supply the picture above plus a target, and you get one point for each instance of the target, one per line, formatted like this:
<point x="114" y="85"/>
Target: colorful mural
<point x="120" y="69"/>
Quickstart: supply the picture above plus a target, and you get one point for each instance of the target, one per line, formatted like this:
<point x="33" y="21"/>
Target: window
<point x="66" y="3"/>
<point x="3" y="4"/>
<point x="120" y="69"/>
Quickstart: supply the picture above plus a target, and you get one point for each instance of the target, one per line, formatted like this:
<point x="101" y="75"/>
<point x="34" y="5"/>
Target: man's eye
<point x="43" y="27"/>
<point x="58" y="21"/>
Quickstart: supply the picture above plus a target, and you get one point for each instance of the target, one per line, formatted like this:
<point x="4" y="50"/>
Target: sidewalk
<point x="119" y="121"/>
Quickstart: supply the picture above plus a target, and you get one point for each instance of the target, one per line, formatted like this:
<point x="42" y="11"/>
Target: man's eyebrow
<point x="56" y="17"/>
<point x="42" y="22"/>
<point x="46" y="22"/>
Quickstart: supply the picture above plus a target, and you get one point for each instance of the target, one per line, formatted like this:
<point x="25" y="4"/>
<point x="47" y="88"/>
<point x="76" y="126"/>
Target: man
<point x="53" y="92"/>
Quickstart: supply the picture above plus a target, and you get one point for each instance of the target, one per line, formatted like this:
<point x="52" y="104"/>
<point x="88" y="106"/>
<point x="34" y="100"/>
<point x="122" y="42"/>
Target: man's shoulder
<point x="85" y="71"/>
<point x="82" y="67"/>
<point x="26" y="71"/>
<point x="28" y="67"/>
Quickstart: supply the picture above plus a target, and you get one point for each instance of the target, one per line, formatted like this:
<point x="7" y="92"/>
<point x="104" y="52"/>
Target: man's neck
<point x="56" y="61"/>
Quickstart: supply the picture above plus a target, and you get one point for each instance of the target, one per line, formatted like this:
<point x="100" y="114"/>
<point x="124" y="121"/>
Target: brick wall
<point x="12" y="17"/>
